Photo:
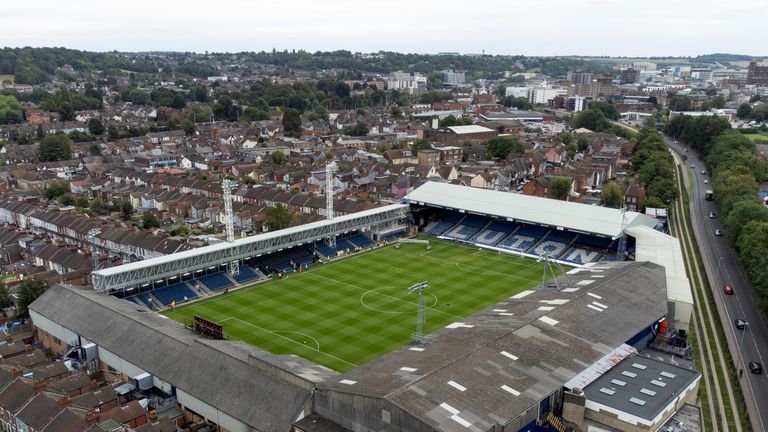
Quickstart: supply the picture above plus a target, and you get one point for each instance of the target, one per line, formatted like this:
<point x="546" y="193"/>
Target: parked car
<point x="740" y="324"/>
<point x="755" y="368"/>
<point x="728" y="289"/>
<point x="711" y="215"/>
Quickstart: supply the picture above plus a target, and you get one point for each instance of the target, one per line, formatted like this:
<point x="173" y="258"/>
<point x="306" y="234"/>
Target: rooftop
<point x="529" y="209"/>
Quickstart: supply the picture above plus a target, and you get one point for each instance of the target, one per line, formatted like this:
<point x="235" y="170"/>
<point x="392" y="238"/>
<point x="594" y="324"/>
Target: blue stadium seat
<point x="246" y="274"/>
<point x="360" y="240"/>
<point x="523" y="238"/>
<point x="287" y="260"/>
<point x="326" y="250"/>
<point x="595" y="242"/>
<point x="449" y="221"/>
<point x="216" y="281"/>
<point x="580" y="256"/>
<point x="174" y="292"/>
<point x="344" y="244"/>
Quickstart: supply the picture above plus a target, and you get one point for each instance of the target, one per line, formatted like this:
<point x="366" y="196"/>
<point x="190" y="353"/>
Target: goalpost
<point x="413" y="241"/>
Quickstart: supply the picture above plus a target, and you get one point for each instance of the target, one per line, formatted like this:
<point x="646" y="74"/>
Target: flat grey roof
<point x="491" y="367"/>
<point x="529" y="209"/>
<point x="641" y="386"/>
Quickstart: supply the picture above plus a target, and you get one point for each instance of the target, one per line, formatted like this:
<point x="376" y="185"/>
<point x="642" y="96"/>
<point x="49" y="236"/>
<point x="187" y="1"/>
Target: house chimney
<point x="64" y="402"/>
<point x="91" y="418"/>
<point x="16" y="371"/>
<point x="39" y="386"/>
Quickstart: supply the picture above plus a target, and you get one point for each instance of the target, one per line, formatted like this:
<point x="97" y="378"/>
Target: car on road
<point x="728" y="289"/>
<point x="693" y="166"/>
<point x="755" y="368"/>
<point x="711" y="215"/>
<point x="740" y="324"/>
<point x="718" y="233"/>
<point x="703" y="172"/>
<point x="706" y="181"/>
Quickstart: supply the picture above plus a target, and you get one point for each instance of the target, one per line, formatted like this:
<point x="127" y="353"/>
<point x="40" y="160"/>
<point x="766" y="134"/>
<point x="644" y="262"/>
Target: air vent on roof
<point x="658" y="383"/>
<point x="607" y="391"/>
<point x="647" y="392"/>
<point x="618" y="382"/>
<point x="668" y="375"/>
<point x="637" y="401"/>
<point x="639" y="366"/>
<point x="629" y="374"/>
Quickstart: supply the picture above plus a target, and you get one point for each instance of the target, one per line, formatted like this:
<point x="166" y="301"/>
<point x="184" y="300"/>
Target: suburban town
<point x="224" y="241"/>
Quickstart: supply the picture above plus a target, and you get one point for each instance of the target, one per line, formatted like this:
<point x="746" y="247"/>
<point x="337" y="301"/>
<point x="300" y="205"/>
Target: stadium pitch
<point x="348" y="312"/>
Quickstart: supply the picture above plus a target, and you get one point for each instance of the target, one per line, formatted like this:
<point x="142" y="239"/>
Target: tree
<point x="279" y="217"/>
<point x="560" y="187"/>
<point x="126" y="210"/>
<point x="54" y="190"/>
<point x="248" y="181"/>
<point x="582" y="144"/>
<point x="608" y="109"/>
<point x="502" y="146"/>
<point x="29" y="291"/>
<point x="611" y="195"/>
<point x="420" y="144"/>
<point x="148" y="220"/>
<point x="6" y="300"/>
<point x="744" y="111"/>
<point x="95" y="127"/>
<point x="279" y="157"/>
<point x="292" y="122"/>
<point x="592" y="119"/>
<point x="743" y="213"/>
<point x="66" y="200"/>
<point x="359" y="129"/>
<point x="55" y="148"/>
<point x="188" y="126"/>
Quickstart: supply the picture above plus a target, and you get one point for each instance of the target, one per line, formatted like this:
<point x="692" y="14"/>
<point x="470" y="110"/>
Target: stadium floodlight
<point x="421" y="312"/>
<point x="622" y="249"/>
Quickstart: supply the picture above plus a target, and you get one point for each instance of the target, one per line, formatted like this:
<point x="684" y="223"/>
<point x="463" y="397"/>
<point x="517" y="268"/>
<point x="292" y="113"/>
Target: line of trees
<point x="654" y="166"/>
<point x="736" y="173"/>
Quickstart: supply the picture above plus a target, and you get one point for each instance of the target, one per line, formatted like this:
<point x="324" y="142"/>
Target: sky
<point x="536" y="28"/>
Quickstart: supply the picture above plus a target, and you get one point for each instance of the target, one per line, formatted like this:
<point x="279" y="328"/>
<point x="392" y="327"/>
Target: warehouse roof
<point x="529" y="209"/>
<point x="493" y="366"/>
<point x="239" y="387"/>
<point x="469" y="129"/>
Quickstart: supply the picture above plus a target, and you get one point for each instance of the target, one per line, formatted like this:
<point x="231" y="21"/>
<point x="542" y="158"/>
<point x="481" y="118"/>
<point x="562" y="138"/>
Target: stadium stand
<point x="217" y="281"/>
<point x="594" y="242"/>
<point x="174" y="292"/>
<point x="247" y="274"/>
<point x="449" y="221"/>
<point x="523" y="238"/>
<point x="360" y="240"/>
<point x="494" y="233"/>
<point x="286" y="260"/>
<point x="554" y="243"/>
<point x="578" y="255"/>
<point x="467" y="228"/>
<point x="393" y="235"/>
<point x="344" y="244"/>
<point x="325" y="250"/>
<point x="145" y="298"/>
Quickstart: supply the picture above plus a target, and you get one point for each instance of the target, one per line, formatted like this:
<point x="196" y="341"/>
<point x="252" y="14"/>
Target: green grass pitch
<point x="345" y="313"/>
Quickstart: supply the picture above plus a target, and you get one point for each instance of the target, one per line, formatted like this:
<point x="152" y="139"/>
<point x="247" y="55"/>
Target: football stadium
<point x="458" y="309"/>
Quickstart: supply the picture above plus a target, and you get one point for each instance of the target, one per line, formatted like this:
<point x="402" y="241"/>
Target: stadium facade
<point x="536" y="361"/>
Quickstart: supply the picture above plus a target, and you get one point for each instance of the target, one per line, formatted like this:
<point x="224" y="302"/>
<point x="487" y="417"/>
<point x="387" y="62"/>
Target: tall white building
<point x="404" y="81"/>
<point x="454" y="78"/>
<point x="544" y="95"/>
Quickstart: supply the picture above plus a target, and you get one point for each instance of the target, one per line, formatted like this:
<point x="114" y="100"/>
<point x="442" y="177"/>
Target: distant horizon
<point x="596" y="56"/>
<point x="593" y="28"/>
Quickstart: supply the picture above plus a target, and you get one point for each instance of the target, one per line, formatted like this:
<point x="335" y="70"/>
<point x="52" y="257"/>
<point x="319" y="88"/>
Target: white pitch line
<point x="289" y="339"/>
<point x="392" y="297"/>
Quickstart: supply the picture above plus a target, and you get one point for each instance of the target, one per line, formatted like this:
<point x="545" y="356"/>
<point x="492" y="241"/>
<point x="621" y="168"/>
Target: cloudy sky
<point x="551" y="27"/>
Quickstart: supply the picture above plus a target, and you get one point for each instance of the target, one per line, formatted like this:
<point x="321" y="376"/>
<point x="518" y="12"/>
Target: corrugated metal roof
<point x="554" y="213"/>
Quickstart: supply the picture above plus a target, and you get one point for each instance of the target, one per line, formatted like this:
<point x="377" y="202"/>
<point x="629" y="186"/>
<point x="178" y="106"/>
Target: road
<point x="723" y="267"/>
